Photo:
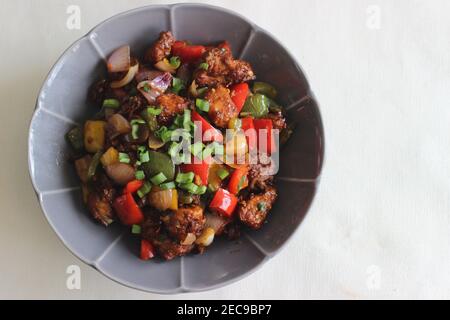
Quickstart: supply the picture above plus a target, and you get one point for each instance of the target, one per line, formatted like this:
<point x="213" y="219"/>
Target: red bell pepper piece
<point x="269" y="140"/>
<point x="239" y="93"/>
<point x="209" y="133"/>
<point x="187" y="53"/>
<point x="199" y="168"/>
<point x="127" y="210"/>
<point x="238" y="180"/>
<point x="249" y="130"/>
<point x="223" y="203"/>
<point x="147" y="250"/>
<point x="133" y="186"/>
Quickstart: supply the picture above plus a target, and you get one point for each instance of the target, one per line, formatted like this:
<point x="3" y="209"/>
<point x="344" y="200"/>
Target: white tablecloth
<point x="379" y="227"/>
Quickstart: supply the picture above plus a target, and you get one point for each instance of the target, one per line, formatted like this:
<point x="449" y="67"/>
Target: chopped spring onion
<point x="185" y="177"/>
<point x="144" y="157"/>
<point x="196" y="148"/>
<point x="190" y="187"/>
<point x="152" y="111"/>
<point x="207" y="152"/>
<point x="167" y="186"/>
<point x="144" y="190"/>
<point x="202" y="105"/>
<point x="164" y="134"/>
<point x="218" y="148"/>
<point x="174" y="150"/>
<point x="187" y="119"/>
<point x="140" y="175"/>
<point x="135" y="127"/>
<point x="177" y="85"/>
<point x="124" y="157"/>
<point x="175" y="62"/>
<point x="201" y="190"/>
<point x="136" y="229"/>
<point x="223" y="173"/>
<point x="111" y="103"/>
<point x="213" y="148"/>
<point x="137" y="121"/>
<point x="203" y="66"/>
<point x="135" y="131"/>
<point x="158" y="179"/>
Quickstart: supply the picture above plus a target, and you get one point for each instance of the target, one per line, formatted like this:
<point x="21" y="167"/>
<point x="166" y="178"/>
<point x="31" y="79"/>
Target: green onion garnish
<point x="137" y="121"/>
<point x="135" y="131"/>
<point x="152" y="111"/>
<point x="207" y="152"/>
<point x="202" y="105"/>
<point x="190" y="187"/>
<point x="204" y="66"/>
<point x="144" y="157"/>
<point x="175" y="62"/>
<point x="136" y="229"/>
<point x="177" y="85"/>
<point x="158" y="179"/>
<point x="174" y="149"/>
<point x="196" y="148"/>
<point x="139" y="175"/>
<point x="142" y="149"/>
<point x="164" y="134"/>
<point x="124" y="157"/>
<point x="187" y="119"/>
<point x="144" y="190"/>
<point x="111" y="103"/>
<point x="223" y="173"/>
<point x="185" y="177"/>
<point x="167" y="186"/>
<point x="201" y="190"/>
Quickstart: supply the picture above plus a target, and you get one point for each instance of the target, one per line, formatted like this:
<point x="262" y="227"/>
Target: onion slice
<point x="120" y="60"/>
<point x="145" y="74"/>
<point x="127" y="79"/>
<point x="216" y="222"/>
<point x="152" y="89"/>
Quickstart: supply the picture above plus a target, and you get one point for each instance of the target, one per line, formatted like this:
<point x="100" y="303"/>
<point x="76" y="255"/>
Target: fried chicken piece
<point x="171" y="105"/>
<point x="221" y="107"/>
<point x="223" y="69"/>
<point x="253" y="211"/>
<point x="161" y="48"/>
<point x="185" y="221"/>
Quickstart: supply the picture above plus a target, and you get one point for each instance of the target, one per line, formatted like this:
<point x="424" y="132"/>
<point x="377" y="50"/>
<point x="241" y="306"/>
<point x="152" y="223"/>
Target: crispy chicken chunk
<point x="253" y="211"/>
<point x="171" y="105"/>
<point x="185" y="221"/>
<point x="169" y="249"/>
<point x="161" y="48"/>
<point x="223" y="69"/>
<point x="100" y="208"/>
<point x="221" y="107"/>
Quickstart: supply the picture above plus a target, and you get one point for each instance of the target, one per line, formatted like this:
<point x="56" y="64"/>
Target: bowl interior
<point x="62" y="103"/>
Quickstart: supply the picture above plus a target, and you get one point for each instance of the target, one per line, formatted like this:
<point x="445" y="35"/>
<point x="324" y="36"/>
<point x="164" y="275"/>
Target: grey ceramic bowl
<point x="62" y="103"/>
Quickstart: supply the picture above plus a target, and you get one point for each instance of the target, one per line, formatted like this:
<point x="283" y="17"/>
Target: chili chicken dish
<point x="175" y="149"/>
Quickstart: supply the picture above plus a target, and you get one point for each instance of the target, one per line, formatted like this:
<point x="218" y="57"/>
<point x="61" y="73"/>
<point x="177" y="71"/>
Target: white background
<point x="379" y="227"/>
